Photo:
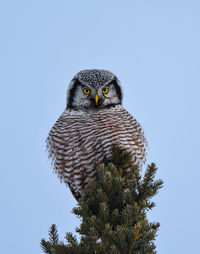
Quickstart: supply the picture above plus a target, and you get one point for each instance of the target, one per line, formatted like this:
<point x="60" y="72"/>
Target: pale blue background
<point x="153" y="47"/>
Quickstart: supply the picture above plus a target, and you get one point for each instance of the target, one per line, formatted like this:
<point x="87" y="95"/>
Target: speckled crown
<point x="95" y="78"/>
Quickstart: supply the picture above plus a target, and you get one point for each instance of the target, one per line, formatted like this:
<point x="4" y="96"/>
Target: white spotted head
<point x="94" y="89"/>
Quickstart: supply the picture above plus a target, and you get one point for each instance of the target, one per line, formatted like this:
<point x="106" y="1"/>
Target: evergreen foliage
<point x="113" y="212"/>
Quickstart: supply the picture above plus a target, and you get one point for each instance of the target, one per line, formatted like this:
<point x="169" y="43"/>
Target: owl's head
<point x="93" y="89"/>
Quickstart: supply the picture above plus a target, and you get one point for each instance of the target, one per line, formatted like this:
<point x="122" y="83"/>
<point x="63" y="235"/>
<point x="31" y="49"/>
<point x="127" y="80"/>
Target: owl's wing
<point x="61" y="144"/>
<point x="73" y="150"/>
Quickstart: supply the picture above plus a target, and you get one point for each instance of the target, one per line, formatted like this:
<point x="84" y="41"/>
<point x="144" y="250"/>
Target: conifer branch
<point x="113" y="212"/>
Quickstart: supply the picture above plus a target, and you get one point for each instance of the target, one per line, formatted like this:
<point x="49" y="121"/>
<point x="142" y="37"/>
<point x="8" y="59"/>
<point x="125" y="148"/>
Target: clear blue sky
<point x="153" y="47"/>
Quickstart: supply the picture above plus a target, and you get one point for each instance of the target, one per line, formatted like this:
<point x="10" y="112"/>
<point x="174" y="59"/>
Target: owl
<point x="92" y="122"/>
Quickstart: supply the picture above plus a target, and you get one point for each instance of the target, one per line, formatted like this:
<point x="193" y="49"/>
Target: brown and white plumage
<point x="86" y="131"/>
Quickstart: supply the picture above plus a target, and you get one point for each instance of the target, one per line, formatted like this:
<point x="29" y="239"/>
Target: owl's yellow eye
<point x="86" y="91"/>
<point x="105" y="90"/>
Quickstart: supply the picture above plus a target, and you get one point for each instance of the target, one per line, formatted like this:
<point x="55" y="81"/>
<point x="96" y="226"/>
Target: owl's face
<point x="93" y="89"/>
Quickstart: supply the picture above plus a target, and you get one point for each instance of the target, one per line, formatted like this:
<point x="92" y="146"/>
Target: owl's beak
<point x="96" y="98"/>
